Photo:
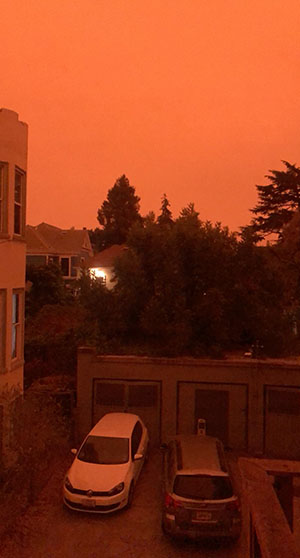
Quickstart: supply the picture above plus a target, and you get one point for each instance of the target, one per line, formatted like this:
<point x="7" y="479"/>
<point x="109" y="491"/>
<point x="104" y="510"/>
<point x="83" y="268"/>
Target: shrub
<point x="40" y="435"/>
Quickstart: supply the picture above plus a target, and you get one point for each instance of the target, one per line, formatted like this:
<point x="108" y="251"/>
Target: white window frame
<point x="3" y="196"/>
<point x="3" y="326"/>
<point x="19" y="202"/>
<point x="65" y="258"/>
<point x="17" y="324"/>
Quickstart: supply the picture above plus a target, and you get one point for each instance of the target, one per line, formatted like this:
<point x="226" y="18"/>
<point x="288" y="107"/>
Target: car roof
<point x="198" y="454"/>
<point x="115" y="424"/>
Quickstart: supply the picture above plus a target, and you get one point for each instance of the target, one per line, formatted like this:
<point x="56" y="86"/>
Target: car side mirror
<point x="74" y="451"/>
<point x="138" y="456"/>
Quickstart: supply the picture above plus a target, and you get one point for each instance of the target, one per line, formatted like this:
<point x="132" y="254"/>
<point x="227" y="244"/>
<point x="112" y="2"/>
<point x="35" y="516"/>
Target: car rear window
<point x="202" y="487"/>
<point x="104" y="450"/>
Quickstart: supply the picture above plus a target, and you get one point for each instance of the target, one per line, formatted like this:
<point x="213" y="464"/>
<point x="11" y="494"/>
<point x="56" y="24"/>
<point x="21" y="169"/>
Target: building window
<point x="16" y="325"/>
<point x="53" y="260"/>
<point x="110" y="394"/>
<point x="142" y="395"/>
<point x="284" y="401"/>
<point x="19" y="202"/>
<point x="2" y="327"/>
<point x="99" y="274"/>
<point x="65" y="266"/>
<point x="3" y="197"/>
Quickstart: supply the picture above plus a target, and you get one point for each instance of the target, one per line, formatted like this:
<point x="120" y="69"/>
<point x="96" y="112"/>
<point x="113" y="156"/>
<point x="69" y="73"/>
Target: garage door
<point x="206" y="403"/>
<point x="223" y="406"/>
<point x="138" y="397"/>
<point x="282" y="422"/>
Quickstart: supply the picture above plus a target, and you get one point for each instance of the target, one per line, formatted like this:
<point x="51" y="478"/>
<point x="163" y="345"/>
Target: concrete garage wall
<point x="256" y="404"/>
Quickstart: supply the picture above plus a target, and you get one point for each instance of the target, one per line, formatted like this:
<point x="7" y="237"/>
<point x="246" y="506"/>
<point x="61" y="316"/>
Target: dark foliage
<point x="118" y="213"/>
<point x="45" y="285"/>
<point x="278" y="201"/>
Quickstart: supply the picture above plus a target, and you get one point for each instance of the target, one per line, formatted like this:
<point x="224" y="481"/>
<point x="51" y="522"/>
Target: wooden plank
<point x="278" y="466"/>
<point x="272" y="530"/>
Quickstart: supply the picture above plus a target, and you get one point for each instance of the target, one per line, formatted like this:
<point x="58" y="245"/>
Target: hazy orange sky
<point x="197" y="99"/>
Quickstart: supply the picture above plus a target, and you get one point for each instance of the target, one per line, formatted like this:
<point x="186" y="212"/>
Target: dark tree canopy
<point x="277" y="201"/>
<point x="189" y="215"/>
<point x="118" y="213"/>
<point x="45" y="286"/>
<point x="165" y="217"/>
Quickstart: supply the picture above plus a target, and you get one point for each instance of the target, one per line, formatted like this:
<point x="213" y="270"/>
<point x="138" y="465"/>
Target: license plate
<point x="203" y="516"/>
<point x="88" y="503"/>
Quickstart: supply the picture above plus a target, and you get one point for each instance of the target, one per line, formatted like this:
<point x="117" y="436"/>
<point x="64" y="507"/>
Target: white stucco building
<point x="13" y="168"/>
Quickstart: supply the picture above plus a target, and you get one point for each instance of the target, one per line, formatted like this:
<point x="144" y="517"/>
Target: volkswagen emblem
<point x="89" y="493"/>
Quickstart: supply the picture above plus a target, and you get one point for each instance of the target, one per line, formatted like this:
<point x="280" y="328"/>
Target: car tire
<point x="130" y="496"/>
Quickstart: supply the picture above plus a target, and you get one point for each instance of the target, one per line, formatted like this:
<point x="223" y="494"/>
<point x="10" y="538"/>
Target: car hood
<point x="92" y="476"/>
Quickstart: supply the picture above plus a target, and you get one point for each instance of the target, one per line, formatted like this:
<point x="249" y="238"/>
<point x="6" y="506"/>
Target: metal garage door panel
<point x="234" y="412"/>
<point x="141" y="398"/>
<point x="213" y="406"/>
<point x="144" y="400"/>
<point x="109" y="397"/>
<point x="282" y="422"/>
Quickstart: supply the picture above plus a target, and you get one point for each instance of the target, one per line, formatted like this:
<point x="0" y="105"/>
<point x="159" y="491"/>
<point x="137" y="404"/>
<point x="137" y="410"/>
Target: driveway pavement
<point x="48" y="530"/>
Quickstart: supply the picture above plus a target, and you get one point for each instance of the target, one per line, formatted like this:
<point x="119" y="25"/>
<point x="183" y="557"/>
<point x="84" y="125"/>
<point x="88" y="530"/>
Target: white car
<point x="106" y="467"/>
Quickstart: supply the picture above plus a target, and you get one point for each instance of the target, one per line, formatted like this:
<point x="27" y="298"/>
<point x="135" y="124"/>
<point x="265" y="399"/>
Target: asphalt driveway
<point x="48" y="530"/>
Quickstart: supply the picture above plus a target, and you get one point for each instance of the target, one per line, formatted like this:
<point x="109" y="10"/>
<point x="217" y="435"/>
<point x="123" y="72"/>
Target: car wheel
<point x="130" y="496"/>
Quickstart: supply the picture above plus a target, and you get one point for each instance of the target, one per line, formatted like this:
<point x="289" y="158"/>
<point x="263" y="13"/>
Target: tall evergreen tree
<point x="165" y="217"/>
<point x="118" y="213"/>
<point x="278" y="201"/>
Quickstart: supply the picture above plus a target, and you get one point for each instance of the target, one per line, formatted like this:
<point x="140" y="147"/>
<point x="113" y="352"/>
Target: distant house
<point x="13" y="168"/>
<point x="101" y="265"/>
<point x="68" y="248"/>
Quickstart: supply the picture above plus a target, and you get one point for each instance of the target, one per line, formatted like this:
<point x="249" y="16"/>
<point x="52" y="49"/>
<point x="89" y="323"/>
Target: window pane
<point x="15" y="323"/>
<point x="14" y="342"/>
<point x="74" y="265"/>
<point x="2" y="322"/>
<point x="19" y="206"/>
<point x="1" y="198"/>
<point x="18" y="187"/>
<point x="142" y="395"/>
<point x="64" y="262"/>
<point x="203" y="487"/>
<point x="284" y="402"/>
<point x="15" y="308"/>
<point x="110" y="394"/>
<point x="1" y="182"/>
<point x="17" y="221"/>
<point x="36" y="260"/>
<point x="104" y="450"/>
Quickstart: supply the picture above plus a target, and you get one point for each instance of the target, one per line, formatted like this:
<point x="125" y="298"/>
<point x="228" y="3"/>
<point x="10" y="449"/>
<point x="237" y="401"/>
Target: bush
<point x="40" y="436"/>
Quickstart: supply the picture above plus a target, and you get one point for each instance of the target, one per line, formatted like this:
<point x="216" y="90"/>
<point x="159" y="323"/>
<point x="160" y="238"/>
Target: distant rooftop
<point x="106" y="257"/>
<point x="48" y="239"/>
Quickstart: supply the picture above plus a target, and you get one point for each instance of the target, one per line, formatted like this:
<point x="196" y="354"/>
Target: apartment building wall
<point x="13" y="175"/>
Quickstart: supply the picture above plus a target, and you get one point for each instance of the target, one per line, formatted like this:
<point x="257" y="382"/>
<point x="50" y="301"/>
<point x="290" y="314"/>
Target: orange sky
<point x="197" y="99"/>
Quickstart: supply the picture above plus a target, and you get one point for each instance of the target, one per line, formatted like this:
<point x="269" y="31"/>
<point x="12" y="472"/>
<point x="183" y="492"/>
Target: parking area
<point x="48" y="530"/>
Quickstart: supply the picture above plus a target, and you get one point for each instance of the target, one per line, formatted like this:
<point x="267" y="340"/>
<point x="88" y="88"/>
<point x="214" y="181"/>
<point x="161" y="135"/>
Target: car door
<point x="137" y="447"/>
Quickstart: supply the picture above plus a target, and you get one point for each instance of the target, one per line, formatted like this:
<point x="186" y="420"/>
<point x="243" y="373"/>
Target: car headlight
<point x="116" y="489"/>
<point x="68" y="484"/>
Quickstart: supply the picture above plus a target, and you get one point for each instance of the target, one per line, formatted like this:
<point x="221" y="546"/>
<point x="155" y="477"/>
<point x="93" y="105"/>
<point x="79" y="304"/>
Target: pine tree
<point x="278" y="201"/>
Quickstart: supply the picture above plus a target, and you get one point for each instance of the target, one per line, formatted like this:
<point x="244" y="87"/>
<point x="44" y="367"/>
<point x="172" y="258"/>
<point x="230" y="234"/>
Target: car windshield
<point x="104" y="450"/>
<point x="202" y="487"/>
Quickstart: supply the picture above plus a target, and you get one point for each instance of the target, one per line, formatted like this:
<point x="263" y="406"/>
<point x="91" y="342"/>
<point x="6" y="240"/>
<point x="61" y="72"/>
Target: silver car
<point x="199" y="499"/>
